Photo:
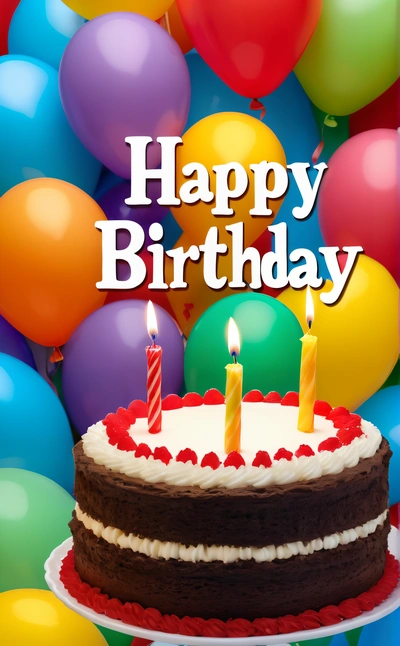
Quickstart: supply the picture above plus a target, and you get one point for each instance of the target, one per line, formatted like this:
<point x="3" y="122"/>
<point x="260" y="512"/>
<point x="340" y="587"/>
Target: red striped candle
<point x="154" y="354"/>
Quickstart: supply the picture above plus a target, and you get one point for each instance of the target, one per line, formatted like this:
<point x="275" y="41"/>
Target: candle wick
<point x="234" y="357"/>
<point x="153" y="338"/>
<point x="309" y="324"/>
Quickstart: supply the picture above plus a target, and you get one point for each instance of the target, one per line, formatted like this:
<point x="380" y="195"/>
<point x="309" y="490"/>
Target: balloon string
<point x="57" y="355"/>
<point x="330" y="122"/>
<point x="186" y="311"/>
<point x="317" y="152"/>
<point x="257" y="105"/>
<point x="167" y="23"/>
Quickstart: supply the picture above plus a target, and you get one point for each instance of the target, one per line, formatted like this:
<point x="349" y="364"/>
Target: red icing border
<point x="152" y="619"/>
<point x="348" y="426"/>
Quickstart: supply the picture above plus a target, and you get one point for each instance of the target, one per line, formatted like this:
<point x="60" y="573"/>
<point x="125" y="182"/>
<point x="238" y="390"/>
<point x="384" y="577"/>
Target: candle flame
<point x="152" y="327"/>
<point x="309" y="307"/>
<point x="233" y="338"/>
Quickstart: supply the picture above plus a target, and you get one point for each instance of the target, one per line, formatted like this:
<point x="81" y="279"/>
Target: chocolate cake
<point x="294" y="522"/>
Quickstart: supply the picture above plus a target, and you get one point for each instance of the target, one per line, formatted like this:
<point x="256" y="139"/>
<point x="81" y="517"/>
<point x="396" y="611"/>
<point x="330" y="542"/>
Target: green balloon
<point x="352" y="56"/>
<point x="34" y="517"/>
<point x="324" y="641"/>
<point x="333" y="137"/>
<point x="270" y="345"/>
<point x="115" y="639"/>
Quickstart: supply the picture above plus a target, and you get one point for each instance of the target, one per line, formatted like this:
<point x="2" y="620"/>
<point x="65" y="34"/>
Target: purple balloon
<point x="13" y="343"/>
<point x="123" y="75"/>
<point x="105" y="363"/>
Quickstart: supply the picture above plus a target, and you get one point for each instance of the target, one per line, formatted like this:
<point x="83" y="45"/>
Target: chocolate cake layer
<point x="242" y="517"/>
<point x="243" y="589"/>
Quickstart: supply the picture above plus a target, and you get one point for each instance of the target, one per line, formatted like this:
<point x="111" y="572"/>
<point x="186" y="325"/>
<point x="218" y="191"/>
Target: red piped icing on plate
<point x="151" y="619"/>
<point x="118" y="424"/>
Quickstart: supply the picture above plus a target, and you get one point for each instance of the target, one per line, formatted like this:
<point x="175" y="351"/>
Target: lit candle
<point x="307" y="390"/>
<point x="233" y="395"/>
<point x="154" y="354"/>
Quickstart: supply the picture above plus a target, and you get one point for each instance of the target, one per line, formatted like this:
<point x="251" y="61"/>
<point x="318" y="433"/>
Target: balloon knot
<point x="257" y="105"/>
<point x="317" y="152"/>
<point x="56" y="356"/>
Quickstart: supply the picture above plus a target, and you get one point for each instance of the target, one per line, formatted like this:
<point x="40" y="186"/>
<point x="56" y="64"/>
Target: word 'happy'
<point x="231" y="182"/>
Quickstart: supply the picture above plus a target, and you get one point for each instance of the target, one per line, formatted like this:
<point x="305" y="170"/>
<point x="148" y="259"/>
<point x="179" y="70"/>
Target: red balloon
<point x="252" y="45"/>
<point x="381" y="113"/>
<point x="142" y="292"/>
<point x="358" y="199"/>
<point x="7" y="8"/>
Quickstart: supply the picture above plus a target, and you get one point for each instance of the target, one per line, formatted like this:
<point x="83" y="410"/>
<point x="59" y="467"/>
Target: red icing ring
<point x="254" y="396"/>
<point x="138" y="408"/>
<point x="322" y="408"/>
<point x="213" y="396"/>
<point x="152" y="619"/>
<point x="172" y="402"/>
<point x="290" y="399"/>
<point x="336" y="412"/>
<point x="273" y="398"/>
<point x="192" y="399"/>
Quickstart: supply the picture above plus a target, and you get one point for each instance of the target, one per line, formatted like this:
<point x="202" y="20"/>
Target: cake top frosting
<point x="189" y="451"/>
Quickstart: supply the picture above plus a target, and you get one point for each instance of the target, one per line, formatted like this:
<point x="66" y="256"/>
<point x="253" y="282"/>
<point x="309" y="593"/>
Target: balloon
<point x="358" y="199"/>
<point x="91" y="8"/>
<point x="334" y="132"/>
<point x="270" y="346"/>
<point x="34" y="517"/>
<point x="36" y="138"/>
<point x="52" y="250"/>
<point x="7" y="8"/>
<point x="352" y="56"/>
<point x="172" y="22"/>
<point x="290" y="116"/>
<point x="42" y="29"/>
<point x="34" y="428"/>
<point x="219" y="139"/>
<point x="383" y="410"/>
<point x="381" y="113"/>
<point x="14" y="344"/>
<point x="252" y="46"/>
<point x="394" y="377"/>
<point x="145" y="88"/>
<point x="190" y="303"/>
<point x="383" y="632"/>
<point x="357" y="336"/>
<point x="105" y="361"/>
<point x="38" y="618"/>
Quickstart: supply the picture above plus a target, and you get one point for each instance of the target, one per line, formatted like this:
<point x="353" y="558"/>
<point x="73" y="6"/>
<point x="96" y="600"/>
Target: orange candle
<point x="233" y="393"/>
<point x="308" y="371"/>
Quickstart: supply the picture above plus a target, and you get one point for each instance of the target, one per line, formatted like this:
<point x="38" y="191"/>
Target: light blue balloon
<point x="384" y="632"/>
<point x="36" y="139"/>
<point x="34" y="431"/>
<point x="383" y="410"/>
<point x="289" y="114"/>
<point x="42" y="29"/>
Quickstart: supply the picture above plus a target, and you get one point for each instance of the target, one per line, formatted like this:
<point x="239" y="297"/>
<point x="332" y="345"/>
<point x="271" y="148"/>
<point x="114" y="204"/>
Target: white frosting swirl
<point x="264" y="427"/>
<point x="225" y="553"/>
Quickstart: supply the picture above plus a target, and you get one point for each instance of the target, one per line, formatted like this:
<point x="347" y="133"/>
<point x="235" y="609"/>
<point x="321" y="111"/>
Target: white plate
<point x="52" y="576"/>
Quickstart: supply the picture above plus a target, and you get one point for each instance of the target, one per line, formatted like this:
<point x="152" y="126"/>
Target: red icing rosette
<point x="152" y="619"/>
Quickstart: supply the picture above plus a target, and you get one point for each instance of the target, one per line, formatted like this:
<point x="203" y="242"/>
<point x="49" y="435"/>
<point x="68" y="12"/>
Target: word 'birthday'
<point x="231" y="183"/>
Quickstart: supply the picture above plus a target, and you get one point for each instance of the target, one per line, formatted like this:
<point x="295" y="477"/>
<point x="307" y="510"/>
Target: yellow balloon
<point x="38" y="618"/>
<point x="219" y="139"/>
<point x="153" y="9"/>
<point x="357" y="336"/>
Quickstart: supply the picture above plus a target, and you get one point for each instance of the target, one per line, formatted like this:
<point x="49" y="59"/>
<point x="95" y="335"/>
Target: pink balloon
<point x="359" y="199"/>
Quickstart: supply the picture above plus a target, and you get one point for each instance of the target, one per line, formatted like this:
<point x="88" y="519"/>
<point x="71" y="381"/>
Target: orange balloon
<point x="50" y="252"/>
<point x="172" y="22"/>
<point x="190" y="303"/>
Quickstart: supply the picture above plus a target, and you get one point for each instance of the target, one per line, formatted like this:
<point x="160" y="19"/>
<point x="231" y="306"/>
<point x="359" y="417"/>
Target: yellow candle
<point x="233" y="394"/>
<point x="307" y="390"/>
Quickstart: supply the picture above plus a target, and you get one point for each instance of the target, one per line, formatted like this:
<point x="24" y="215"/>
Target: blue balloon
<point x="384" y="632"/>
<point x="12" y="342"/>
<point x="34" y="430"/>
<point x="383" y="410"/>
<point x="42" y="29"/>
<point x="36" y="138"/>
<point x="290" y="116"/>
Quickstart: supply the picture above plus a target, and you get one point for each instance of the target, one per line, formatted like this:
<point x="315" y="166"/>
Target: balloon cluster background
<point x="76" y="78"/>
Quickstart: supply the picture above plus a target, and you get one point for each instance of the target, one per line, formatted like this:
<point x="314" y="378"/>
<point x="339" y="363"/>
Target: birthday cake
<point x="293" y="522"/>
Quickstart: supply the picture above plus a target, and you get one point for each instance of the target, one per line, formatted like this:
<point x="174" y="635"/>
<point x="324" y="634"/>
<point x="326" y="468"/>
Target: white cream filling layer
<point x="266" y="427"/>
<point x="225" y="553"/>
